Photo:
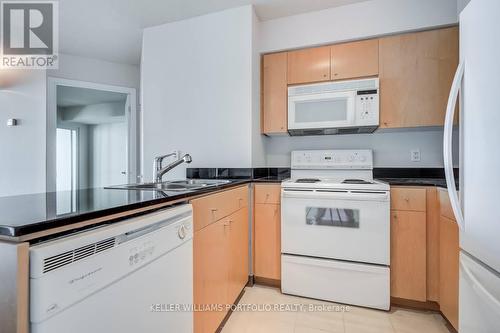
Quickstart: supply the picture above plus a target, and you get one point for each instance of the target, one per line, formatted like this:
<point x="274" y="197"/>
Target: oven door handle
<point x="341" y="195"/>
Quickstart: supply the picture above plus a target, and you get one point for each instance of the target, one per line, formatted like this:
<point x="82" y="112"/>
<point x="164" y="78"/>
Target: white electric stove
<point x="335" y="229"/>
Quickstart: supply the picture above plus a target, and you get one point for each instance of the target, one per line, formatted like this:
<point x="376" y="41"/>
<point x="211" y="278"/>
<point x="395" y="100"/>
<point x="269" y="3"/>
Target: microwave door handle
<point x="448" y="146"/>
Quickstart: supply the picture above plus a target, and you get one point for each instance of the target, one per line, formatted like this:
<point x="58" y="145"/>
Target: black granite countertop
<point x="439" y="182"/>
<point x="27" y="214"/>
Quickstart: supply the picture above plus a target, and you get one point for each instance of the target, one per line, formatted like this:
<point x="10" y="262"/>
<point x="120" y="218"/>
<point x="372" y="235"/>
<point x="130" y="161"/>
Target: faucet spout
<point x="161" y="171"/>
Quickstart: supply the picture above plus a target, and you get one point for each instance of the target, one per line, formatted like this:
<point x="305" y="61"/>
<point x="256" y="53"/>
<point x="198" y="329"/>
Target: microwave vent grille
<point x="367" y="84"/>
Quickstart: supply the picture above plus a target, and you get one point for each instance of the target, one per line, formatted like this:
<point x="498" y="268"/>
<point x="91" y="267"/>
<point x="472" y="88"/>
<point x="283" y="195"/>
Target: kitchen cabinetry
<point x="433" y="222"/>
<point x="220" y="250"/>
<point x="309" y="65"/>
<point x="354" y="60"/>
<point x="408" y="243"/>
<point x="416" y="72"/>
<point x="274" y="93"/>
<point x="267" y="224"/>
<point x="448" y="260"/>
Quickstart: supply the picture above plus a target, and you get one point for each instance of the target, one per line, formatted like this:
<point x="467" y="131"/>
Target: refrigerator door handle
<point x="447" y="146"/>
<point x="476" y="284"/>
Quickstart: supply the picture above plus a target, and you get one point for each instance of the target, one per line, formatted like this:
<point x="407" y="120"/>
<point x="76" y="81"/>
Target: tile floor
<point x="351" y="320"/>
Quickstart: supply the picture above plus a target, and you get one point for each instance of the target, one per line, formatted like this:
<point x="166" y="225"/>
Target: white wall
<point x="197" y="90"/>
<point x="461" y="5"/>
<point x="258" y="140"/>
<point x="390" y="149"/>
<point x="97" y="71"/>
<point x="356" y="21"/>
<point x="22" y="148"/>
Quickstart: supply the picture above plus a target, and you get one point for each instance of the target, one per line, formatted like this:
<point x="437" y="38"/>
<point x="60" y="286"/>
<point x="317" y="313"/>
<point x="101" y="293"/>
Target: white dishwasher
<point x="129" y="277"/>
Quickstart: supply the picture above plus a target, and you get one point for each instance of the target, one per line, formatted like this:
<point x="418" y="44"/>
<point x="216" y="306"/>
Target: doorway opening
<point x="91" y="139"/>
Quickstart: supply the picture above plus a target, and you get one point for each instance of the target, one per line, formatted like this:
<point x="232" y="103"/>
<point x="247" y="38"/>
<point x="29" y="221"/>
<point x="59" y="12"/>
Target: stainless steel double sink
<point x="174" y="186"/>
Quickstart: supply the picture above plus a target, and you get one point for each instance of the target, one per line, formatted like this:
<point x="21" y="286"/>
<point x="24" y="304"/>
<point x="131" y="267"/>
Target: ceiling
<point x="73" y="96"/>
<point x="112" y="29"/>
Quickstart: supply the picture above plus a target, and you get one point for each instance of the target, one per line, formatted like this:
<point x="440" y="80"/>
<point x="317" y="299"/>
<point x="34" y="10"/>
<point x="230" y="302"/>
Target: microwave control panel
<point x="367" y="108"/>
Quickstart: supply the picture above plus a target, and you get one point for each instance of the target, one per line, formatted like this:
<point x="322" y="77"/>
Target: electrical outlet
<point x="415" y="155"/>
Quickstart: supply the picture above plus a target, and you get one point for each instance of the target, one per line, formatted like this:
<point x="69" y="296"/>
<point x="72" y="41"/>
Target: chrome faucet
<point x="159" y="171"/>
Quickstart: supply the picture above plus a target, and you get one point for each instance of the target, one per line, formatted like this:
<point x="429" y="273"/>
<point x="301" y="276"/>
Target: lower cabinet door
<point x="211" y="269"/>
<point x="449" y="252"/>
<point x="408" y="255"/>
<point x="267" y="241"/>
<point x="238" y="253"/>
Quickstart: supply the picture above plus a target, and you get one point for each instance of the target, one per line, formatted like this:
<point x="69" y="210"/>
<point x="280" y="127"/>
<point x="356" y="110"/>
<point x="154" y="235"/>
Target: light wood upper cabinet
<point x="354" y="60"/>
<point x="416" y="72"/>
<point x="408" y="255"/>
<point x="309" y="65"/>
<point x="274" y="93"/>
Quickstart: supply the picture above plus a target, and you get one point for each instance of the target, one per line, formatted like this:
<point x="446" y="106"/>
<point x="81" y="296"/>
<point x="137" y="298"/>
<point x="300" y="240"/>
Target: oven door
<point x="326" y="110"/>
<point x="343" y="225"/>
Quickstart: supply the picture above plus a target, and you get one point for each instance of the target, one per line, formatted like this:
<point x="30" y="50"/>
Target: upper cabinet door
<point x="354" y="60"/>
<point x="416" y="72"/>
<point x="309" y="65"/>
<point x="274" y="93"/>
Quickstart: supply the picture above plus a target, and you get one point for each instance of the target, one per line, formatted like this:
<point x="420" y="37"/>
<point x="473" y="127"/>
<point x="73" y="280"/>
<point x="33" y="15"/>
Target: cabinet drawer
<point x="406" y="198"/>
<point x="214" y="207"/>
<point x="268" y="194"/>
<point x="445" y="204"/>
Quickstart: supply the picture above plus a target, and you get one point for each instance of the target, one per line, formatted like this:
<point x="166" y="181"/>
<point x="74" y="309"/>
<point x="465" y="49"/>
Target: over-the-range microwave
<point x="341" y="107"/>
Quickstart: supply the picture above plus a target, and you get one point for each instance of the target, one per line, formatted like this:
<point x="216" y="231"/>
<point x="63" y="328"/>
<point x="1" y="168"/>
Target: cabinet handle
<point x="407" y="199"/>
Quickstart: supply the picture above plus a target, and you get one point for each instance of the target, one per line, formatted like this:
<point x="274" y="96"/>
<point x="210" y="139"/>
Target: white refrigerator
<point x="477" y="204"/>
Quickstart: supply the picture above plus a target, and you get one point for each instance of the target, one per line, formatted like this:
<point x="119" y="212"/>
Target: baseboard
<point x="267" y="282"/>
<point x="411" y="304"/>
<point x="230" y="312"/>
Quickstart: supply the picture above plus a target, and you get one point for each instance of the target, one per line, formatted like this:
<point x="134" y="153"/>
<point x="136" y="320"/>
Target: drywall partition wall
<point x="461" y="4"/>
<point x="356" y="21"/>
<point x="197" y="90"/>
<point x="97" y="71"/>
<point x="390" y="149"/>
<point x="258" y="140"/>
<point x="22" y="147"/>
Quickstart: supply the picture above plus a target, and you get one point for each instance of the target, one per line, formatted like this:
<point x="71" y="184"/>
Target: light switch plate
<point x="415" y="155"/>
